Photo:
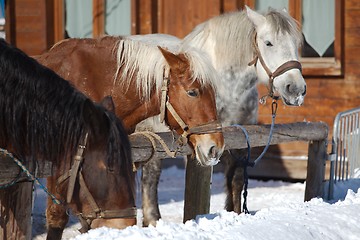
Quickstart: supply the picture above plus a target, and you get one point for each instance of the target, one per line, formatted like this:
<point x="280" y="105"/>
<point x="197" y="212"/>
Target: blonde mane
<point x="143" y="61"/>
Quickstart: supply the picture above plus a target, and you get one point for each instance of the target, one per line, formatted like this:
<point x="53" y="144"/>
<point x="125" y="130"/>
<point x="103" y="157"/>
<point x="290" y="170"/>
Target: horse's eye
<point x="193" y="92"/>
<point x="268" y="43"/>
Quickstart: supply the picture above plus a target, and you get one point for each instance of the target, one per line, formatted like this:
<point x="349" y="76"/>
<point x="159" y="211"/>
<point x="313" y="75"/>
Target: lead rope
<point x="28" y="174"/>
<point x="247" y="161"/>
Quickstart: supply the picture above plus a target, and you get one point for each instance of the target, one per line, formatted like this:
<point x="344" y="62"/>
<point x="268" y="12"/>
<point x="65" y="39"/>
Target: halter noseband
<point x="211" y="127"/>
<point x="292" y="64"/>
<point x="96" y="213"/>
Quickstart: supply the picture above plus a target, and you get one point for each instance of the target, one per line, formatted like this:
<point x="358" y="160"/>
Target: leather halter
<point x="292" y="64"/>
<point x="210" y="127"/>
<point x="97" y="213"/>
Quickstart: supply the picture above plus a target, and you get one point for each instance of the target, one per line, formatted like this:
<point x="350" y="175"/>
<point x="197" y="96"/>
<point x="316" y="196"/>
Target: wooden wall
<point x="175" y="17"/>
<point x="29" y="25"/>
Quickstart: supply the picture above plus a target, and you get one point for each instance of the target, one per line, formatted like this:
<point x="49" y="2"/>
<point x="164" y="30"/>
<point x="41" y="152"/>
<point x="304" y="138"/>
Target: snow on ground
<point x="277" y="212"/>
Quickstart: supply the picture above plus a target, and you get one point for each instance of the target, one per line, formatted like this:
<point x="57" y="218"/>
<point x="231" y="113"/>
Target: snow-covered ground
<point x="277" y="212"/>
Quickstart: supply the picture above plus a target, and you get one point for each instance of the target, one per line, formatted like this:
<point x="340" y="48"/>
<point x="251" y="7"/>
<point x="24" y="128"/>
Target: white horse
<point x="270" y="43"/>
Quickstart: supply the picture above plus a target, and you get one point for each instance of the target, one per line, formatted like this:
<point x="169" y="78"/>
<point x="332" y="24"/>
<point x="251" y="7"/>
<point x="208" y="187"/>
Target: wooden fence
<point x="16" y="201"/>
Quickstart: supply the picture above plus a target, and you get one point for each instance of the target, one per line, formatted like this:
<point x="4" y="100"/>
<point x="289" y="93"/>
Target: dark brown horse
<point x="43" y="117"/>
<point x="138" y="76"/>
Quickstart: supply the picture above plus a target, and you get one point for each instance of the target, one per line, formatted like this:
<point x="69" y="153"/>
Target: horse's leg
<point x="56" y="216"/>
<point x="234" y="178"/>
<point x="150" y="179"/>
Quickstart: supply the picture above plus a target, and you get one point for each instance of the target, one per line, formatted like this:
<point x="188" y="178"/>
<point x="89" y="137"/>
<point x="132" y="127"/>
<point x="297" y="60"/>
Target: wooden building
<point x="333" y="82"/>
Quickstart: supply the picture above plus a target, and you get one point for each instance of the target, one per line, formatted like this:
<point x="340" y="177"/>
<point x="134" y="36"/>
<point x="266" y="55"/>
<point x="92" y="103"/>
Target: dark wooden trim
<point x="328" y="66"/>
<point x="59" y="20"/>
<point x="50" y="21"/>
<point x="249" y="3"/>
<point x="98" y="14"/>
<point x="295" y="10"/>
<point x="154" y="16"/>
<point x="135" y="19"/>
<point x="10" y="23"/>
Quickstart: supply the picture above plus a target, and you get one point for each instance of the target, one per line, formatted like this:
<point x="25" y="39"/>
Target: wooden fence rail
<point x="197" y="192"/>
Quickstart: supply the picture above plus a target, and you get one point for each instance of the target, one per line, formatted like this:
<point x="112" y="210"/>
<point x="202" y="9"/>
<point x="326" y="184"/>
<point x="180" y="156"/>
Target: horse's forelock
<point x="201" y="67"/>
<point x="282" y="22"/>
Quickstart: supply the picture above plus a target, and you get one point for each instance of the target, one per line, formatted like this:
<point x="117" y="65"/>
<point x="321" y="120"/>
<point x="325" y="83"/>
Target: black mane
<point x="42" y="114"/>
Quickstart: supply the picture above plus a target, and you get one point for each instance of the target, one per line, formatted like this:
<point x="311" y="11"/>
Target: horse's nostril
<point x="304" y="91"/>
<point x="288" y="88"/>
<point x="213" y="152"/>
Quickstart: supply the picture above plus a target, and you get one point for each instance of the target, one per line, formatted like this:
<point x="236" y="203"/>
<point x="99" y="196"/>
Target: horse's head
<point x="276" y="43"/>
<point x="189" y="100"/>
<point x="106" y="181"/>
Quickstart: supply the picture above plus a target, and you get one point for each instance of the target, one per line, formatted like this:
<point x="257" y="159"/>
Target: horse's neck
<point x="132" y="108"/>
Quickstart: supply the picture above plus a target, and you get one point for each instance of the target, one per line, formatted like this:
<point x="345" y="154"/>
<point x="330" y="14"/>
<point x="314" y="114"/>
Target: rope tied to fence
<point x="6" y="153"/>
<point x="248" y="163"/>
<point x="153" y="137"/>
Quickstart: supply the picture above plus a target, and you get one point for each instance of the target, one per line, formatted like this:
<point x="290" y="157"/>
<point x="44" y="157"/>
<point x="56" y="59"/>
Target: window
<point x="321" y="23"/>
<point x="91" y="18"/>
<point x="2" y="19"/>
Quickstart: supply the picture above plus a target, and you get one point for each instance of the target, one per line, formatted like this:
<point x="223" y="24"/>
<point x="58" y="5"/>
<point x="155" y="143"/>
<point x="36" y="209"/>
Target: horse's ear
<point x="92" y="115"/>
<point x="108" y="104"/>
<point x="172" y="59"/>
<point x="256" y="18"/>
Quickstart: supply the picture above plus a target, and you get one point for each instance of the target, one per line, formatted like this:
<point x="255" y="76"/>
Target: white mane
<point x="230" y="36"/>
<point x="143" y="60"/>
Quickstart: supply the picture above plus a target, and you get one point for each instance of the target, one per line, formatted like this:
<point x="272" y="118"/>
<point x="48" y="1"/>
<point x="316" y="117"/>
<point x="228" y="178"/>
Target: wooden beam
<point x="235" y="138"/>
<point x="143" y="150"/>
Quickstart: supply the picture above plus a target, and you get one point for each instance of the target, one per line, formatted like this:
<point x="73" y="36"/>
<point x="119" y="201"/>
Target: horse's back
<point x="88" y="63"/>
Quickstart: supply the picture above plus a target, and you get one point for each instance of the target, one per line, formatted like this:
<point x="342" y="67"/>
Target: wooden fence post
<point x="197" y="189"/>
<point x="316" y="169"/>
<point x="15" y="215"/>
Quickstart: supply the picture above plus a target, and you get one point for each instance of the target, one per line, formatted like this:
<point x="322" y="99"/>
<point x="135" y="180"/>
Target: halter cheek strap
<point x="292" y="64"/>
<point x="211" y="127"/>
<point x="75" y="173"/>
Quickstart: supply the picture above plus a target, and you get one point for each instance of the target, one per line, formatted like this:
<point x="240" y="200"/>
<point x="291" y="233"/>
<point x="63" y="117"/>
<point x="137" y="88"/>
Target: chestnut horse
<point x="43" y="117"/>
<point x="145" y="80"/>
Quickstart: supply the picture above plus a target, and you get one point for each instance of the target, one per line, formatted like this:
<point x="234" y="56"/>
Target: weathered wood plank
<point x="9" y="170"/>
